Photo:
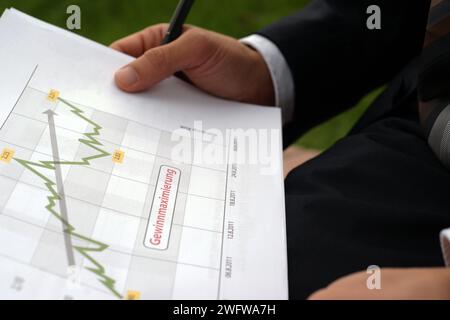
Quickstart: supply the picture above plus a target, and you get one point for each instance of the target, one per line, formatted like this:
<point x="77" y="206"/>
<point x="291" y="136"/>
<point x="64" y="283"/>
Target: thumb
<point x="158" y="64"/>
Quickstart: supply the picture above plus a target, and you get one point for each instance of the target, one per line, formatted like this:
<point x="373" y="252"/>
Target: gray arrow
<point x="60" y="186"/>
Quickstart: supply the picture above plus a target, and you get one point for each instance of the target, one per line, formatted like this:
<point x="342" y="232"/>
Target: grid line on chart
<point x="114" y="250"/>
<point x="20" y="96"/>
<point x="17" y="181"/>
<point x="115" y="144"/>
<point x="88" y="168"/>
<point x="181" y="236"/>
<point x="137" y="122"/>
<point x="12" y="110"/>
<point x="52" y="273"/>
<point x="103" y="200"/>
<point x="102" y="171"/>
<point x="95" y="204"/>
<point x="223" y="220"/>
<point x="148" y="194"/>
<point x="141" y="218"/>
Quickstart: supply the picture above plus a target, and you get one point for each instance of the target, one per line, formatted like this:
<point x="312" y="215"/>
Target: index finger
<point x="138" y="43"/>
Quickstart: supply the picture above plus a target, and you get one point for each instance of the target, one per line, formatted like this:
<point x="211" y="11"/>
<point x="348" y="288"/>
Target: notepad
<point x="166" y="194"/>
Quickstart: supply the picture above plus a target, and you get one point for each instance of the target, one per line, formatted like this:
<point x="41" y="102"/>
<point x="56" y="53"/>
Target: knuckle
<point x="198" y="36"/>
<point x="160" y="28"/>
<point x="200" y="40"/>
<point x="154" y="33"/>
<point x="157" y="58"/>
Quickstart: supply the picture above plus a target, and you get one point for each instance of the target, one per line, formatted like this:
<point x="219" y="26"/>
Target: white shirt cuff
<point x="445" y="243"/>
<point x="279" y="70"/>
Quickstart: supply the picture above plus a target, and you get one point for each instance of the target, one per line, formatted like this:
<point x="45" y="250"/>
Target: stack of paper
<point x="109" y="195"/>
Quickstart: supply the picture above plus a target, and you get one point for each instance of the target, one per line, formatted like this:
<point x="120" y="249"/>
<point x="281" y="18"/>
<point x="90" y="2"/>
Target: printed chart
<point x="92" y="206"/>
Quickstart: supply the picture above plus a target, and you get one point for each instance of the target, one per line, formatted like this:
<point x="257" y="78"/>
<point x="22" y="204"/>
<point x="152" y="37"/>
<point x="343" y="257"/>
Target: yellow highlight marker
<point x="118" y="156"/>
<point x="7" y="155"/>
<point x="53" y="95"/>
<point x="133" y="295"/>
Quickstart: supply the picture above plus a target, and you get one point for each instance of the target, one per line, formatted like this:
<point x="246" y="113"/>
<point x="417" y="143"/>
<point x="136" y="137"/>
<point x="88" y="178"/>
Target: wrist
<point x="262" y="90"/>
<point x="282" y="86"/>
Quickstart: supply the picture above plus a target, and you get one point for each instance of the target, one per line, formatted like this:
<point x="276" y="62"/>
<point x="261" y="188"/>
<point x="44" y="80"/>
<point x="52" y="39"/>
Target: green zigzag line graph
<point x="96" y="246"/>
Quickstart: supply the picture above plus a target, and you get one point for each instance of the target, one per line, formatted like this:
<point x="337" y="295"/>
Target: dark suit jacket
<point x="335" y="59"/>
<point x="380" y="195"/>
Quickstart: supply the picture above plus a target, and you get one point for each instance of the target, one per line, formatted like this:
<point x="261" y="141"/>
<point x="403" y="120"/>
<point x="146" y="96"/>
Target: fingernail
<point x="127" y="76"/>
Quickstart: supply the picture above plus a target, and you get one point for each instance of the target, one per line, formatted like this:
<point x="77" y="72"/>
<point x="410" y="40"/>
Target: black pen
<point x="176" y="23"/>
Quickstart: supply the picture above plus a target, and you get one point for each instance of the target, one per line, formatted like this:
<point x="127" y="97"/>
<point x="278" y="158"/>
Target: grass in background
<point x="107" y="20"/>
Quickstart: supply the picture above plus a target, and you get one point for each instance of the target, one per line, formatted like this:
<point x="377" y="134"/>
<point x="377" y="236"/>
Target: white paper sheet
<point x="224" y="237"/>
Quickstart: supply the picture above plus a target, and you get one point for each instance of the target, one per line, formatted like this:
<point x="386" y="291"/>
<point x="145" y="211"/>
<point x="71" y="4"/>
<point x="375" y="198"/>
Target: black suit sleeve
<point x="335" y="59"/>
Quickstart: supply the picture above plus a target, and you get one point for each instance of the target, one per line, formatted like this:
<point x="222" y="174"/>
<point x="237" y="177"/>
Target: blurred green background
<point x="107" y="20"/>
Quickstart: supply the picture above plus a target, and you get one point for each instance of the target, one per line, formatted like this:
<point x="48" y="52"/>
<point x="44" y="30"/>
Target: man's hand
<point x="396" y="284"/>
<point x="217" y="64"/>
